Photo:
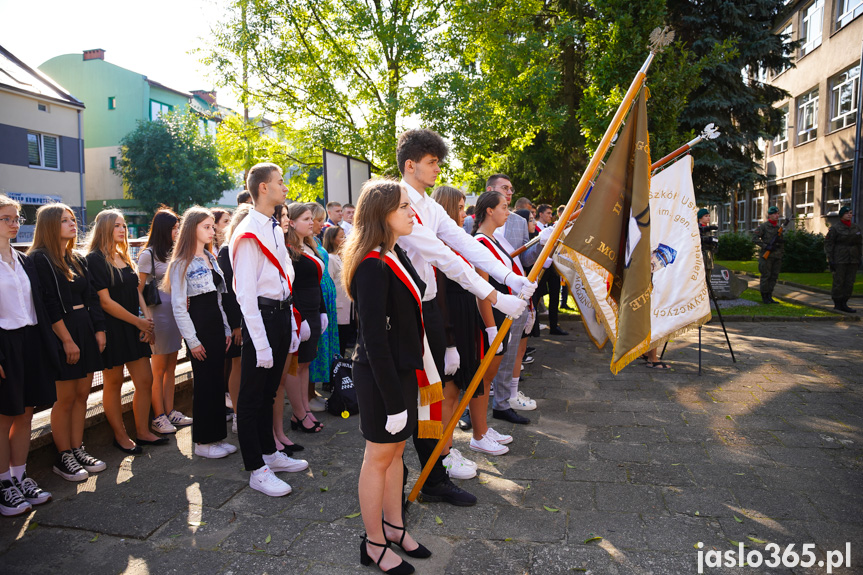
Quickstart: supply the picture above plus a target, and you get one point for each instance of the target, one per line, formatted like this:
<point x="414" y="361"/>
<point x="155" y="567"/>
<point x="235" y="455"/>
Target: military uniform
<point x="769" y="267"/>
<point x="843" y="245"/>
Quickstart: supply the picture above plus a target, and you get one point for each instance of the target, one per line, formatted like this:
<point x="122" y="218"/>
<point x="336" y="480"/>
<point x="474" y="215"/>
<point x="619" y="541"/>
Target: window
<point x="847" y="11"/>
<point x="837" y="191"/>
<point x="804" y="197"/>
<point x="844" y="90"/>
<point x="777" y="197"/>
<point x="810" y="27"/>
<point x="741" y="215"/>
<point x="112" y="103"/>
<point x="807" y="117"/>
<point x="726" y="217"/>
<point x="757" y="213"/>
<point x="112" y="162"/>
<point x="158" y="108"/>
<point x="42" y="107"/>
<point x="780" y="142"/>
<point x="786" y="43"/>
<point x="43" y="151"/>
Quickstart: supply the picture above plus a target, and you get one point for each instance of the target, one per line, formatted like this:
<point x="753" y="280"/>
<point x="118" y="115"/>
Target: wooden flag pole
<point x="659" y="38"/>
<point x="710" y="132"/>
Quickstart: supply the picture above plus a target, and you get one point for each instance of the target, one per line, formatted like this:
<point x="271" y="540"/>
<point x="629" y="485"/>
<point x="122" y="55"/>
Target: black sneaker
<point x="448" y="492"/>
<point x="87" y="461"/>
<point x="509" y="415"/>
<point x="12" y="501"/>
<point x="529" y="350"/>
<point x="464" y="423"/>
<point x="34" y="494"/>
<point x="68" y="467"/>
<point x="527" y="360"/>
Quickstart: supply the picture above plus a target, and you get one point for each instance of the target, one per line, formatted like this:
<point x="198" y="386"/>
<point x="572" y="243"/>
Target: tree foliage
<point x="171" y="161"/>
<point x="340" y="69"/>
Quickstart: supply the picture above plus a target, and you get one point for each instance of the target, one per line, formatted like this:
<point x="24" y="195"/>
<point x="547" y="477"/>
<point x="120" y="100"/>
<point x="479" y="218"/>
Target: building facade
<point x="41" y="145"/>
<point x="809" y="165"/>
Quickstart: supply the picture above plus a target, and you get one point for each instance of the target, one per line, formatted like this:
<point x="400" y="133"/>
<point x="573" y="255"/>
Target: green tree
<point x="339" y="69"/>
<point x="241" y="145"/>
<point x="171" y="161"/>
<point x="741" y="107"/>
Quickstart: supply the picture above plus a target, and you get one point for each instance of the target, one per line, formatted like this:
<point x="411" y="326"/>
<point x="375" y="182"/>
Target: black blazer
<point x="50" y="343"/>
<point x="389" y="328"/>
<point x="229" y="299"/>
<point x="57" y="291"/>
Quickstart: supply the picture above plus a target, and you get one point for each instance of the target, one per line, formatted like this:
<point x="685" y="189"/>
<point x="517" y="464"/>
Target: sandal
<point x="296" y="424"/>
<point x="419" y="553"/>
<point x="656" y="365"/>
<point x="403" y="568"/>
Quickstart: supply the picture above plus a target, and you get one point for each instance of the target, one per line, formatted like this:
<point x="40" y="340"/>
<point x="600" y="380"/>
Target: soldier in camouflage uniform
<point x="769" y="267"/>
<point x="843" y="246"/>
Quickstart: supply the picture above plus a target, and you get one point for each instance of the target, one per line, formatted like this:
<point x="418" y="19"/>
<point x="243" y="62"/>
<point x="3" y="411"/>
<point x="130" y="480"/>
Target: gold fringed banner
<point x="430" y="429"/>
<point x="431" y="394"/>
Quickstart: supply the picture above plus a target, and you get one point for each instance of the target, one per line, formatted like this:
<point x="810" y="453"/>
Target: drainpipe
<point x="81" y="174"/>
<point x="857" y="176"/>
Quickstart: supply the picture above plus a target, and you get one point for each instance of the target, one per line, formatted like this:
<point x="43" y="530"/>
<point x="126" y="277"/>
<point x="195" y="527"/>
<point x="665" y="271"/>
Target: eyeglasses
<point x="13" y="221"/>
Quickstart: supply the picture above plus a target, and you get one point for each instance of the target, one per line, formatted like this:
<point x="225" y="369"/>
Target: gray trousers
<point x="503" y="379"/>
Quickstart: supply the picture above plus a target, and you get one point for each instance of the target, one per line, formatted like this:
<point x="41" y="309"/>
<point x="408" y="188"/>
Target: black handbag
<point x="151" y="290"/>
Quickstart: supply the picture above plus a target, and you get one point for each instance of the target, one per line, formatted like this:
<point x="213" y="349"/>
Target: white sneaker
<point x="265" y="481"/>
<point x="458" y="467"/>
<point x="210" y="450"/>
<point x="278" y="461"/>
<point x="318" y="404"/>
<point x="488" y="445"/>
<point x="234" y="423"/>
<point x="228" y="402"/>
<point x="178" y="419"/>
<point x="543" y="326"/>
<point x="162" y="425"/>
<point x="459" y="455"/>
<point x="230" y="448"/>
<point x="499" y="437"/>
<point x="522" y="403"/>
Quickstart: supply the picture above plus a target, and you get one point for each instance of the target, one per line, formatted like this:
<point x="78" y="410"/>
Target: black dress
<point x="123" y="342"/>
<point x="61" y="297"/>
<point x="389" y="347"/>
<point x="229" y="300"/>
<point x="499" y="316"/>
<point x="462" y="324"/>
<point x="309" y="301"/>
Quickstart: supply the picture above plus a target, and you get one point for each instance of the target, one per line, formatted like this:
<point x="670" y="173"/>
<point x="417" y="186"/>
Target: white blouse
<point x="16" y="298"/>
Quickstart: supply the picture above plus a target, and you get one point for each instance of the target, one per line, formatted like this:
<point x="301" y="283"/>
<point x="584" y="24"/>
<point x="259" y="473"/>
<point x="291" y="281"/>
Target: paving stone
<point x="620" y="530"/>
<point x="596" y="471"/>
<point x="625" y="497"/>
<point x="538" y="525"/>
<point x="678" y="533"/>
<point x="327" y="542"/>
<point x="659" y="474"/>
<point x="705" y="501"/>
<point x="478" y="556"/>
<point x="568" y="559"/>
<point x="251" y="534"/>
<point x="776" y="504"/>
<point x="561" y="495"/>
<point x="628" y="452"/>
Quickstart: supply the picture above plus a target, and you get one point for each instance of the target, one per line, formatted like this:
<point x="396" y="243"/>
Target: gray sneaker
<point x="162" y="425"/>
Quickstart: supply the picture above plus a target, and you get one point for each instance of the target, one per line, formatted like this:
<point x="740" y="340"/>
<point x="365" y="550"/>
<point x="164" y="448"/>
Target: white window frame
<point x="807" y="206"/>
<point x="832" y="207"/>
<point x="847" y="10"/>
<point x="40" y="143"/>
<point x="726" y="217"/>
<point x="757" y="211"/>
<point x="847" y="81"/>
<point x="811" y="26"/>
<point x="807" y="105"/>
<point x="741" y="215"/>
<point x="161" y="108"/>
<point x="778" y="199"/>
<point x="780" y="142"/>
<point x="786" y="45"/>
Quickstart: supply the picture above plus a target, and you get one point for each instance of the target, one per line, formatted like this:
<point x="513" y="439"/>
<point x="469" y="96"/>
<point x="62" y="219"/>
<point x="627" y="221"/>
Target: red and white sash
<point x="319" y="263"/>
<point x="504" y="258"/>
<point x="430" y="394"/>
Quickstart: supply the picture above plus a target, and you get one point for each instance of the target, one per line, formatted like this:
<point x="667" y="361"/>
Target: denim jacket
<point x="196" y="281"/>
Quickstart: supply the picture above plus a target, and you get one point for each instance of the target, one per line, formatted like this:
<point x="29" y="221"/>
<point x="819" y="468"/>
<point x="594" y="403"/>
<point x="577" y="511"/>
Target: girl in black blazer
<point x="387" y="293"/>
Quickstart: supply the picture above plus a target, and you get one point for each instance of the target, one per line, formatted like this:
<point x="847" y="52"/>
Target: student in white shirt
<point x="262" y="275"/>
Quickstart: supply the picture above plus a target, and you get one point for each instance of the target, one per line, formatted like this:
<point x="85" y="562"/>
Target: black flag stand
<point x="721" y="322"/>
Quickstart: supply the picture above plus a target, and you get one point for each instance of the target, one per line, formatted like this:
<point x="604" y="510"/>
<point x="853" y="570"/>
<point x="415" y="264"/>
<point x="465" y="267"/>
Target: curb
<point x="765" y="318"/>
<point x="802" y="287"/>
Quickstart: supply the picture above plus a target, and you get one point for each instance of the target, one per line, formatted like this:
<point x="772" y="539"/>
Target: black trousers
<point x="550" y="283"/>
<point x="258" y="387"/>
<point x="208" y="403"/>
<point x="436" y="335"/>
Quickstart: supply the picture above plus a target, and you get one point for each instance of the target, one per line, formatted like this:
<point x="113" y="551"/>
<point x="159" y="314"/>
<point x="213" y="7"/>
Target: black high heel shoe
<point x="420" y="552"/>
<point x="297" y="425"/>
<point x="403" y="568"/>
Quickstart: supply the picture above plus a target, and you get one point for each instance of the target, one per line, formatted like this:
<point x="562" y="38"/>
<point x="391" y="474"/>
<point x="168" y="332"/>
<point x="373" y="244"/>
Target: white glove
<point x="510" y="305"/>
<point x="295" y="343"/>
<point x="397" y="422"/>
<point x="531" y="319"/>
<point x="305" y="331"/>
<point x="325" y="321"/>
<point x="520" y="285"/>
<point x="451" y="361"/>
<point x="265" y="357"/>
<point x="491" y="332"/>
<point x="545" y="235"/>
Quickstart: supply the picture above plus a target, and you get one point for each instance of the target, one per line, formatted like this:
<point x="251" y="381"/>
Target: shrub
<point x="735" y="246"/>
<point x="804" y="252"/>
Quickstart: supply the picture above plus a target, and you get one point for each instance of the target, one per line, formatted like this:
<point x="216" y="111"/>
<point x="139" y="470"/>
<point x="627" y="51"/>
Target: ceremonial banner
<point x="594" y="323"/>
<point x="680" y="300"/>
<point x="613" y="234"/>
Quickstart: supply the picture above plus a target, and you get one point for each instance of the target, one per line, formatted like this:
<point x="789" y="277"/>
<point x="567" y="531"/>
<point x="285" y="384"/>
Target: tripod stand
<point x="721" y="322"/>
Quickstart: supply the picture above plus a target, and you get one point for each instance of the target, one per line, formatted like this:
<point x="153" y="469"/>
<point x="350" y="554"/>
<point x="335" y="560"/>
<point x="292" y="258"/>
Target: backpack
<point x="344" y="397"/>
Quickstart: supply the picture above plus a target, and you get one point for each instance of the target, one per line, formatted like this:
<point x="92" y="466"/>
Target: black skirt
<point x="80" y="327"/>
<point x="234" y="351"/>
<point x="29" y="380"/>
<point x="373" y="413"/>
<point x="467" y="333"/>
<point x="309" y="349"/>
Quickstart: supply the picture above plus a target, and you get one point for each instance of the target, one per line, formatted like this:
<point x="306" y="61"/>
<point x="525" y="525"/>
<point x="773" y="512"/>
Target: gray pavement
<point x="766" y="450"/>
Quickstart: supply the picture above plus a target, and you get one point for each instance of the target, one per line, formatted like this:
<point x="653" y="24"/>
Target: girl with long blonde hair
<point x="194" y="276"/>
<point x="79" y="324"/>
<point x="128" y="334"/>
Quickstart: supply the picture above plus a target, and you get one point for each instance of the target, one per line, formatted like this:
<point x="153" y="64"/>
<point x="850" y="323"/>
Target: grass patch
<point x="781" y="309"/>
<point x="823" y="280"/>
